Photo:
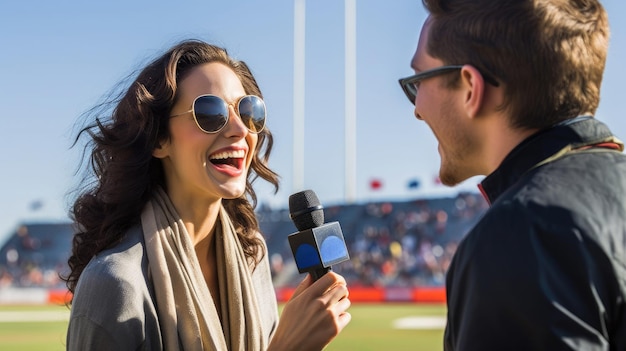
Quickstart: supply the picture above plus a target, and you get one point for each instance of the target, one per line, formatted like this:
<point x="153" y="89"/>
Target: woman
<point x="168" y="255"/>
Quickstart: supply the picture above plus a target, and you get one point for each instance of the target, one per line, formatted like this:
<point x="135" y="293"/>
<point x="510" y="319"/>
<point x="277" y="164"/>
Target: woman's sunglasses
<point x="211" y="112"/>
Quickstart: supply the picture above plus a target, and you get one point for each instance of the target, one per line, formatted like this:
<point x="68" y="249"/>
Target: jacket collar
<point x="571" y="134"/>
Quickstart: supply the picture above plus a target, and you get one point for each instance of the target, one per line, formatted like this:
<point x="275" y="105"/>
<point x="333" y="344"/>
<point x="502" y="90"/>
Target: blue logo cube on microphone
<point x="318" y="247"/>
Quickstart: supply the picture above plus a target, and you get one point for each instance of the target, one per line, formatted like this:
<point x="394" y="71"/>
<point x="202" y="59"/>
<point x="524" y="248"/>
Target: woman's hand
<point x="315" y="314"/>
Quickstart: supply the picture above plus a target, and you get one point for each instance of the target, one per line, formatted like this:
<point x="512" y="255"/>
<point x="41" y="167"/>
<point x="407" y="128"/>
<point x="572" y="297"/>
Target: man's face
<point x="441" y="107"/>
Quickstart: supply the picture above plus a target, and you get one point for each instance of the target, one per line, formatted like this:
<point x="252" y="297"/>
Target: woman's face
<point x="200" y="166"/>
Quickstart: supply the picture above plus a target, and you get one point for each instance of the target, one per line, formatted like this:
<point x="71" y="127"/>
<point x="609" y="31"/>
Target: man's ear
<point x="161" y="150"/>
<point x="474" y="85"/>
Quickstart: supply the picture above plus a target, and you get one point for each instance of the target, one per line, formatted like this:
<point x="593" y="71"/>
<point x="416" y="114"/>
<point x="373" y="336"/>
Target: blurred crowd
<point x="390" y="243"/>
<point x="35" y="256"/>
<point x="395" y="244"/>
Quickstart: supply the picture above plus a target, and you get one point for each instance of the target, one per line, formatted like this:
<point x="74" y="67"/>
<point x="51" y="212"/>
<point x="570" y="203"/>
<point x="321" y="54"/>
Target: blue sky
<point x="59" y="57"/>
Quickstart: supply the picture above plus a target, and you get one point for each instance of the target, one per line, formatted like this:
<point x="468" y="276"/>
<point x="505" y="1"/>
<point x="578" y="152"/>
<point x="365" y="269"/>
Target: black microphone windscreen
<point x="305" y="210"/>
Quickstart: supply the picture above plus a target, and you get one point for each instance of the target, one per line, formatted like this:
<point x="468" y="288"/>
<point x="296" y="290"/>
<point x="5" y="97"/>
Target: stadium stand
<point x="390" y="243"/>
<point x="35" y="255"/>
<point x="393" y="246"/>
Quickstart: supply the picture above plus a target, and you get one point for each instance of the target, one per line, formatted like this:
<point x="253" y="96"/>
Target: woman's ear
<point x="161" y="150"/>
<point x="474" y="84"/>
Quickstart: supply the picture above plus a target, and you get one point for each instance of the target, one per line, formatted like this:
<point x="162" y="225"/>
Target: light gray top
<point x="114" y="306"/>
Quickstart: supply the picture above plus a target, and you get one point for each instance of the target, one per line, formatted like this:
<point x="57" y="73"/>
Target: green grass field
<point x="29" y="335"/>
<point x="372" y="328"/>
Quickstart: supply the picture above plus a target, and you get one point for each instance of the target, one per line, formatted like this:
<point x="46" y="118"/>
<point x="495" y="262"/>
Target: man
<point x="509" y="89"/>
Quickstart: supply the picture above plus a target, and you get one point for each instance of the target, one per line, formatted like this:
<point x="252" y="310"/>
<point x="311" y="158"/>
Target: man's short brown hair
<point x="548" y="54"/>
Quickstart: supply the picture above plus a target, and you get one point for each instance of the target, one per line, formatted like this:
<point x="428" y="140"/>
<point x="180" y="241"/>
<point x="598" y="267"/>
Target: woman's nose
<point x="235" y="125"/>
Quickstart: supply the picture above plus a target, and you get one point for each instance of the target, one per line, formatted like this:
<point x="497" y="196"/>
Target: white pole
<point x="350" y="96"/>
<point x="298" y="94"/>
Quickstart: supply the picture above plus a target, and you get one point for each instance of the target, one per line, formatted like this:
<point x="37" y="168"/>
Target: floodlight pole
<point x="350" y="101"/>
<point x="298" y="94"/>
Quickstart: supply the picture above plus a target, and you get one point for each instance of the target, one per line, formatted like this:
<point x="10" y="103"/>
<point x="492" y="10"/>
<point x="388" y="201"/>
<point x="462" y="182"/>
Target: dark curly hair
<point x="123" y="173"/>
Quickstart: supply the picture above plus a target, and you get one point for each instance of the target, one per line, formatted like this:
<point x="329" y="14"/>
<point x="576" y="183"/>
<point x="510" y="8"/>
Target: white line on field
<point x="424" y="322"/>
<point x="34" y="316"/>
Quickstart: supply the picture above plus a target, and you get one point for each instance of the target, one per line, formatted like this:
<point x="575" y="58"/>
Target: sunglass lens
<point x="252" y="112"/>
<point x="411" y="91"/>
<point x="211" y="113"/>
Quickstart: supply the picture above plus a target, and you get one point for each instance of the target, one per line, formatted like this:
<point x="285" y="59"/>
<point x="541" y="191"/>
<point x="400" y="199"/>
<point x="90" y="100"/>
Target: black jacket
<point x="545" y="268"/>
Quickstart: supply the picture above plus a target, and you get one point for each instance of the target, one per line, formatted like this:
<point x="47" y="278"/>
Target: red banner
<point x="389" y="294"/>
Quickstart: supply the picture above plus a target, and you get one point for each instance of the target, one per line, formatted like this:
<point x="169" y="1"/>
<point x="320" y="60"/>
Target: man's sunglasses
<point x="211" y="112"/>
<point x="409" y="84"/>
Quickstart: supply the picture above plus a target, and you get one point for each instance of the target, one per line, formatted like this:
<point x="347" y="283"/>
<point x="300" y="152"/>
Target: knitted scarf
<point x="187" y="315"/>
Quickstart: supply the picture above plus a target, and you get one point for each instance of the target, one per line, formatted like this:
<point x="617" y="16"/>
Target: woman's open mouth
<point x="230" y="162"/>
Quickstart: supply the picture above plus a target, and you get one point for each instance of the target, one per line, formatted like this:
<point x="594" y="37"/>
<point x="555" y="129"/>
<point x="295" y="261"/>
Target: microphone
<point x="316" y="246"/>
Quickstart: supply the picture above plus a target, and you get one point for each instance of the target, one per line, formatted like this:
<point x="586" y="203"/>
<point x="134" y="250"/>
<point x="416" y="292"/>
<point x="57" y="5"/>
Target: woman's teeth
<point x="233" y="158"/>
<point x="228" y="154"/>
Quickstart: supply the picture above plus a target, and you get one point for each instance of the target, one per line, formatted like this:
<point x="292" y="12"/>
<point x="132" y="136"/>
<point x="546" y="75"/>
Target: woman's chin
<point x="233" y="191"/>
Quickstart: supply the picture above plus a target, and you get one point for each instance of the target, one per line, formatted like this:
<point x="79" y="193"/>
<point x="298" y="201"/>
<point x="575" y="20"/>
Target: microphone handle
<point x="318" y="273"/>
